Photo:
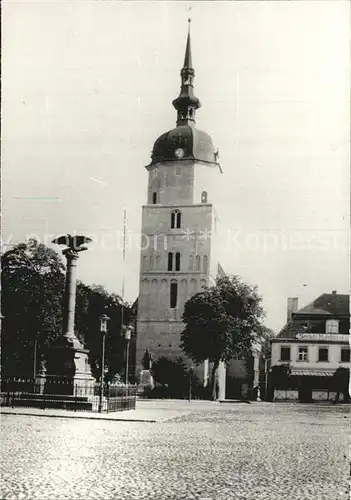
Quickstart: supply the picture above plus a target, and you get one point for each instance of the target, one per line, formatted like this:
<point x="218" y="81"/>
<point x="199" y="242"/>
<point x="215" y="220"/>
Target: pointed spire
<point x="186" y="103"/>
<point x="187" y="60"/>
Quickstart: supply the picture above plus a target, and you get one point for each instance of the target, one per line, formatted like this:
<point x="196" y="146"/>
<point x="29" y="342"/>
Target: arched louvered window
<point x="170" y="261"/>
<point x="205" y="263"/>
<point x="173" y="294"/>
<point x="177" y="261"/>
<point x="191" y="263"/>
<point x="151" y="262"/>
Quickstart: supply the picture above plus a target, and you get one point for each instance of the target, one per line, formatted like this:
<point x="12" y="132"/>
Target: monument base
<point x="146" y="381"/>
<point x="67" y="369"/>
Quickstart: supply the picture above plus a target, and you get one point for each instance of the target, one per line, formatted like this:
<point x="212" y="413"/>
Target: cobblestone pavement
<point x="252" y="452"/>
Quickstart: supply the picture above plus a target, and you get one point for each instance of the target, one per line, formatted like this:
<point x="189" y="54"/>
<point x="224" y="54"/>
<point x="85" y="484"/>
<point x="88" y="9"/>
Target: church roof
<point x="189" y="142"/>
<point x="196" y="145"/>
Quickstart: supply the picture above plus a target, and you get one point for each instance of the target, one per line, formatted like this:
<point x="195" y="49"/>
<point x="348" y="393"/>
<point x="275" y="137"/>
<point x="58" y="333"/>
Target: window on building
<point x="154" y="198"/>
<point x="323" y="354"/>
<point x="151" y="262"/>
<point x="170" y="261"/>
<point x="191" y="263"/>
<point x="204" y="197"/>
<point x="303" y="354"/>
<point x="345" y="355"/>
<point x="205" y="263"/>
<point x="173" y="295"/>
<point x="176" y="219"/>
<point x="332" y="326"/>
<point x="197" y="263"/>
<point x="177" y="261"/>
<point x="285" y="354"/>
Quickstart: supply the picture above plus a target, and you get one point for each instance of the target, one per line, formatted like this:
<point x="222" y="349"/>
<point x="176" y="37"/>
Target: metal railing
<point x="61" y="394"/>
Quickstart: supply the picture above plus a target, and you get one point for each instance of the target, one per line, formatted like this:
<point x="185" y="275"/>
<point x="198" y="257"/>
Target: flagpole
<point x="123" y="261"/>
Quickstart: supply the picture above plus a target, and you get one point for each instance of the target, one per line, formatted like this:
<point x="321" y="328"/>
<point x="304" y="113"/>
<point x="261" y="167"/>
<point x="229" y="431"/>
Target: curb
<point x="105" y="419"/>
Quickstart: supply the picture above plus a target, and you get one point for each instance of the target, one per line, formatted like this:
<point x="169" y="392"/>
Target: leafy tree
<point x="221" y="322"/>
<point x="91" y="303"/>
<point x="265" y="335"/>
<point x="173" y="375"/>
<point x="32" y="293"/>
<point x="340" y="381"/>
<point x="33" y="278"/>
<point x="280" y="375"/>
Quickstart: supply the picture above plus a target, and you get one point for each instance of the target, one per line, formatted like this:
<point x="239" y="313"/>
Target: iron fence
<point x="61" y="394"/>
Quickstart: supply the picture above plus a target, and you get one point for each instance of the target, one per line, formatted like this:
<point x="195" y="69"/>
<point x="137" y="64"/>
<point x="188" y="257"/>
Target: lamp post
<point x="103" y="330"/>
<point x="127" y="335"/>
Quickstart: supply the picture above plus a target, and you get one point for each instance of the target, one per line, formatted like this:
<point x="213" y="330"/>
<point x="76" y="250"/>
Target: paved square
<point x="218" y="451"/>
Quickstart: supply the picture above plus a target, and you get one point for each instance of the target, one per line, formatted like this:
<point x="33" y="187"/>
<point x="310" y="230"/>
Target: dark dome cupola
<point x="186" y="103"/>
<point x="185" y="141"/>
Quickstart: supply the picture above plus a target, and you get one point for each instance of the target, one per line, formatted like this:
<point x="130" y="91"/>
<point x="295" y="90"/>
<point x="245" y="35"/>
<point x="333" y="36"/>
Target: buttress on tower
<point x="179" y="226"/>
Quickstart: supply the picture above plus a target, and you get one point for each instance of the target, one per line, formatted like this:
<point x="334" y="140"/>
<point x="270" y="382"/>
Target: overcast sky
<point x="87" y="89"/>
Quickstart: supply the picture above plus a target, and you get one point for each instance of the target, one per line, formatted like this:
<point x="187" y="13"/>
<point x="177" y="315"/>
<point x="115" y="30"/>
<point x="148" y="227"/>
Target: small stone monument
<point x="146" y="378"/>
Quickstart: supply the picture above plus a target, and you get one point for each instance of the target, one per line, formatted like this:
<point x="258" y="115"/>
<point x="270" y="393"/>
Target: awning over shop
<point x="312" y="373"/>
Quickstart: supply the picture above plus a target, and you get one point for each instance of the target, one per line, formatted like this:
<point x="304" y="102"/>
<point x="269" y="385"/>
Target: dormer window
<point x="332" y="326"/>
<point x="176" y="218"/>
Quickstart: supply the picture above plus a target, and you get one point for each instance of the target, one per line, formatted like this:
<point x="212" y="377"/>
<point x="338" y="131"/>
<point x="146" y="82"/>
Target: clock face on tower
<point x="179" y="152"/>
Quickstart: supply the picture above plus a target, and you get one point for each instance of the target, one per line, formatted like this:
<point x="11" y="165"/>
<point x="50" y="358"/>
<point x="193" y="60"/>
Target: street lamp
<point x="103" y="330"/>
<point x="127" y="335"/>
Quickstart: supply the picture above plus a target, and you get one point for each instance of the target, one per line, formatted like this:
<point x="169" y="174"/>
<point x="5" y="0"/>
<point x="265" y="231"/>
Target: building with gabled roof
<point x="314" y="342"/>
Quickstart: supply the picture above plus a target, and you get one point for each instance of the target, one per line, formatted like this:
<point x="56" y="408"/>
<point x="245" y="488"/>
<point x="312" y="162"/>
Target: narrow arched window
<point x="176" y="219"/>
<point x="173" y="295"/>
<point x="204" y="197"/>
<point x="191" y="263"/>
<point x="170" y="261"/>
<point x="177" y="261"/>
<point x="151" y="262"/>
<point x="179" y="219"/>
<point x="205" y="263"/>
<point x="197" y="263"/>
<point x="154" y="198"/>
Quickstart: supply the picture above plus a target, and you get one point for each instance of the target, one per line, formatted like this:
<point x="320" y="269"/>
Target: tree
<point x="265" y="335"/>
<point x="171" y="374"/>
<point x="280" y="376"/>
<point x="32" y="293"/>
<point x="221" y="322"/>
<point x="340" y="381"/>
<point x="33" y="278"/>
<point x="93" y="301"/>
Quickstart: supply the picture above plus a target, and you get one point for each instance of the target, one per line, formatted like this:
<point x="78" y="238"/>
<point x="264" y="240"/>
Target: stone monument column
<point x="67" y="368"/>
<point x="70" y="292"/>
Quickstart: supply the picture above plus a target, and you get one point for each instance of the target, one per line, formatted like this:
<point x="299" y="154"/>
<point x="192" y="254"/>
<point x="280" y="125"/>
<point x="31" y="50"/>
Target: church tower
<point x="179" y="224"/>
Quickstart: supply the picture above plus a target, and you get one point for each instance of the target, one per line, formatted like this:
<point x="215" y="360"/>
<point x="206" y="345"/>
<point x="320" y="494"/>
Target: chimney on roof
<point x="334" y="292"/>
<point x="292" y="306"/>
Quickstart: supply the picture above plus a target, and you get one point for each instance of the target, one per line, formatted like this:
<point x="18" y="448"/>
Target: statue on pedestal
<point x="147" y="360"/>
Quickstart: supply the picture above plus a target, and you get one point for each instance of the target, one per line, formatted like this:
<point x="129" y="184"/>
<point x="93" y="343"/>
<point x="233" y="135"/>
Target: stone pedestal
<point x="67" y="368"/>
<point x="146" y="380"/>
